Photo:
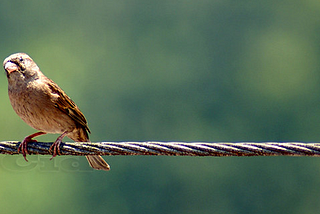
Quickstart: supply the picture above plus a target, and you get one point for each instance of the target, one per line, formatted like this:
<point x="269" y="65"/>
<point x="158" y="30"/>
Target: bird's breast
<point x="35" y="107"/>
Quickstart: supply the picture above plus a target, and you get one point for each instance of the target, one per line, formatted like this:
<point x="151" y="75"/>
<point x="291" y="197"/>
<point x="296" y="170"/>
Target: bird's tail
<point x="97" y="162"/>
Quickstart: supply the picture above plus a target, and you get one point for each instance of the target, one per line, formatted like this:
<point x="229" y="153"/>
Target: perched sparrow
<point x="44" y="106"/>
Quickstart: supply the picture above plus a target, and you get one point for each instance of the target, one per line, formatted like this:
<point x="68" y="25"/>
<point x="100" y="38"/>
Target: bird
<point x="44" y="106"/>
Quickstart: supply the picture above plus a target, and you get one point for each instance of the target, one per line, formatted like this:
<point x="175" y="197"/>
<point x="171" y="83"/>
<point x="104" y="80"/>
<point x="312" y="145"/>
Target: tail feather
<point x="97" y="162"/>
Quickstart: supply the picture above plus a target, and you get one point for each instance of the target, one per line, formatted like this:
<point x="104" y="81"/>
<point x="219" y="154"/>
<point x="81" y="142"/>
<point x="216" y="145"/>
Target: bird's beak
<point x="10" y="67"/>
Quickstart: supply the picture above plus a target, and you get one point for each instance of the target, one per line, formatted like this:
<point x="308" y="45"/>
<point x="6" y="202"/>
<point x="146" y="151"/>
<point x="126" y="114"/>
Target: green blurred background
<point x="170" y="71"/>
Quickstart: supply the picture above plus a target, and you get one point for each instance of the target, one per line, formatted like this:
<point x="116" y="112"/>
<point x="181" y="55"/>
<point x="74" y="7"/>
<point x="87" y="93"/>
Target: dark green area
<point x="170" y="71"/>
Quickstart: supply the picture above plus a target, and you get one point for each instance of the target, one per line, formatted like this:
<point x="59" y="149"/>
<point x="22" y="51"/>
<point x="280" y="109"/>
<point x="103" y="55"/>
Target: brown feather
<point x="43" y="105"/>
<point x="66" y="105"/>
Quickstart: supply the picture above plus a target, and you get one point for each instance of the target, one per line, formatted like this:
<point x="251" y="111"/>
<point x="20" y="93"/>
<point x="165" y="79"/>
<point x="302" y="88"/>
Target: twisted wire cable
<point x="170" y="148"/>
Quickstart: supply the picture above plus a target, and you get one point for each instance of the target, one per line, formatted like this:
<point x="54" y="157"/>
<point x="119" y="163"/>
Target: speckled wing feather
<point x="66" y="105"/>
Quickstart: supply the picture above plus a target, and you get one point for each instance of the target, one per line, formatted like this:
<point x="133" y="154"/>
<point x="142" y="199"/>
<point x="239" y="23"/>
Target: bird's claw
<point x="23" y="147"/>
<point x="55" y="149"/>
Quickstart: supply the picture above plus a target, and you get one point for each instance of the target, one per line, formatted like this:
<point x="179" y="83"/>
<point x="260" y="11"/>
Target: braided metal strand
<point x="170" y="148"/>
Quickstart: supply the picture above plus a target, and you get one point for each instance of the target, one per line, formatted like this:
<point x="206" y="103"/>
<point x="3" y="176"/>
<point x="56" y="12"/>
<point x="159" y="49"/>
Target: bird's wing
<point x="66" y="105"/>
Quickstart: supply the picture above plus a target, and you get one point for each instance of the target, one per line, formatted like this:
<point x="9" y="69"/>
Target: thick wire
<point x="170" y="148"/>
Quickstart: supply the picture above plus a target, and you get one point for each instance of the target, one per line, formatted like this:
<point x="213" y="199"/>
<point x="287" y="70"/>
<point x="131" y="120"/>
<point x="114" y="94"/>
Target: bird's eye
<point x="21" y="59"/>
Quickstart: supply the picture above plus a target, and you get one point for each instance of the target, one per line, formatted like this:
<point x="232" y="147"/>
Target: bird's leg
<point x="23" y="147"/>
<point x="55" y="147"/>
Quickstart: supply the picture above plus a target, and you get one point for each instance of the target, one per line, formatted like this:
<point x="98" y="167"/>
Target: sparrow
<point x="44" y="106"/>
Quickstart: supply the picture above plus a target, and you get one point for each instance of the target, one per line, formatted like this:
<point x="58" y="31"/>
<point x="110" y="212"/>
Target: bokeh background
<point x="170" y="71"/>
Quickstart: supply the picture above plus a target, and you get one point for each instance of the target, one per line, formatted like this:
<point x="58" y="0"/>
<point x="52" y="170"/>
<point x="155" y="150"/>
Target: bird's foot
<point x="55" y="147"/>
<point x="23" y="147"/>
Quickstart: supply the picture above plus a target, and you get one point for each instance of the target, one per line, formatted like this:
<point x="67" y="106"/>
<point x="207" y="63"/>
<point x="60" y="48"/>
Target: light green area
<point x="170" y="71"/>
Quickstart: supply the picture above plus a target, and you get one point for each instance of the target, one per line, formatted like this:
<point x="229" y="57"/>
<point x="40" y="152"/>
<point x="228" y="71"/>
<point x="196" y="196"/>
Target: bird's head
<point x="20" y="66"/>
